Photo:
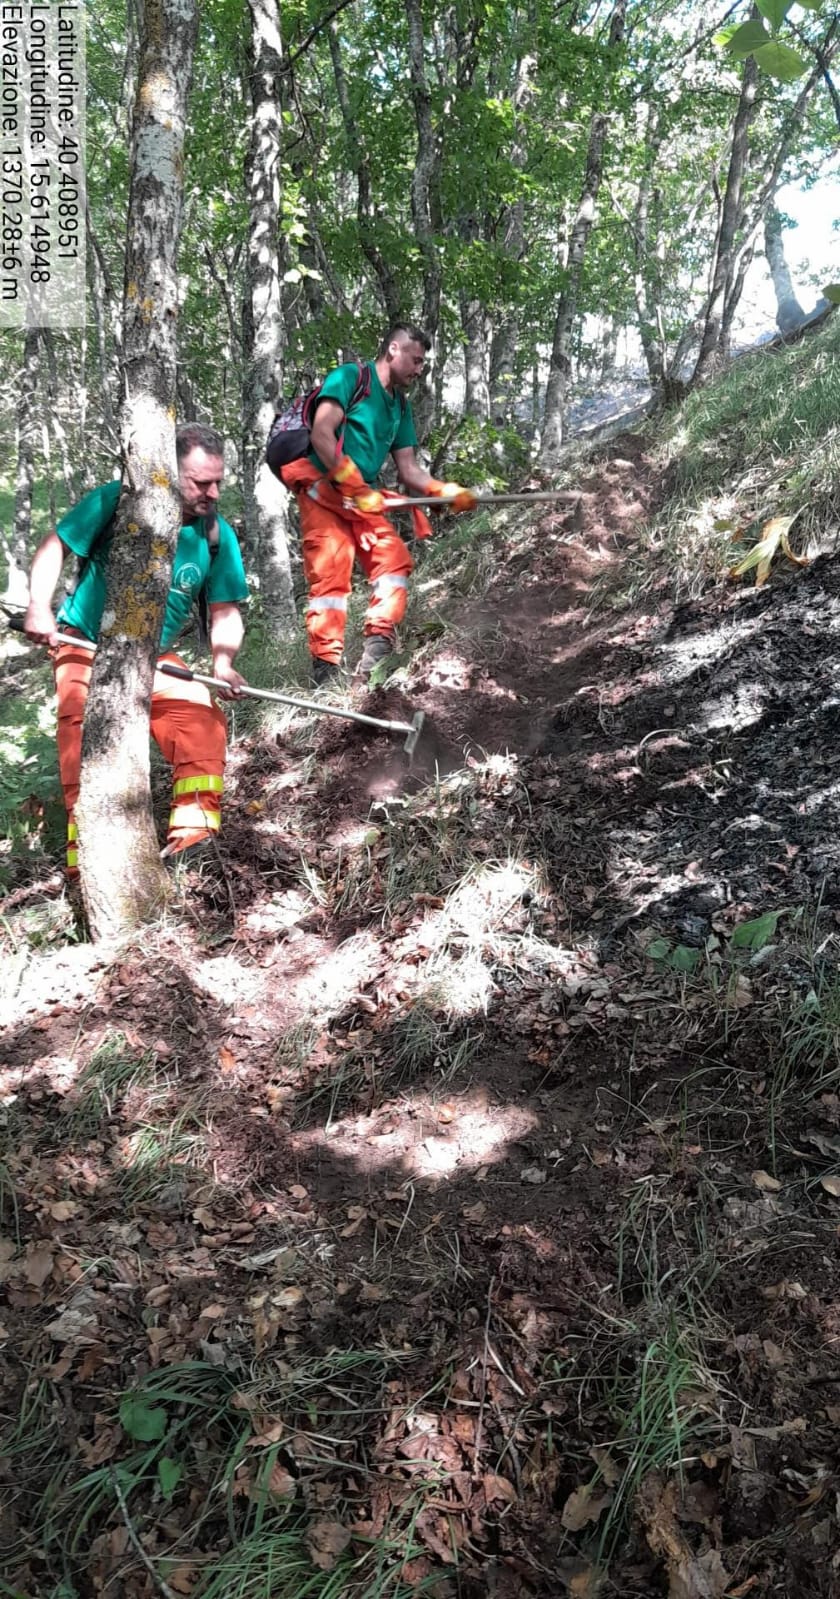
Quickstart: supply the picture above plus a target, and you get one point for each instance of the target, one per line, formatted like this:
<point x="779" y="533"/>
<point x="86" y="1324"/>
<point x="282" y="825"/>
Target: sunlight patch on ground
<point x="741" y="708"/>
<point x="682" y="656"/>
<point x="327" y="987"/>
<point x="421" y="1142"/>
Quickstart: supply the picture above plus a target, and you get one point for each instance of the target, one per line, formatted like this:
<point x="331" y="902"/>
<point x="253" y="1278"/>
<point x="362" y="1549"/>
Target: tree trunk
<point x="58" y="430"/>
<point x="789" y="312"/>
<point x="382" y="271"/>
<point x="476" y="359"/>
<point x="425" y="206"/>
<point x="26" y="433"/>
<point x="266" y="515"/>
<point x="709" y="357"/>
<point x="645" y="278"/>
<point x="560" y="365"/>
<point x="123" y="882"/>
<point x="106" y="322"/>
<point x="505" y="340"/>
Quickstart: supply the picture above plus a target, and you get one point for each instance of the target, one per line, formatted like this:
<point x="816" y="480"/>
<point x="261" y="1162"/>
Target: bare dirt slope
<point x="460" y="1193"/>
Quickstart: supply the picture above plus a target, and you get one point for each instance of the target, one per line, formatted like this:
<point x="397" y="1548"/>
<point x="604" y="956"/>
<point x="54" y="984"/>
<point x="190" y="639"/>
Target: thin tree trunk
<point x="382" y="271"/>
<point x="123" y="882"/>
<point x="560" y="365"/>
<point x="505" y="340"/>
<point x="645" y="281"/>
<point x="789" y="312"/>
<point x="425" y="205"/>
<point x="108" y="331"/>
<point x="26" y="433"/>
<point x="476" y="358"/>
<point x="266" y="514"/>
<point x="58" y="430"/>
<point x="709" y="357"/>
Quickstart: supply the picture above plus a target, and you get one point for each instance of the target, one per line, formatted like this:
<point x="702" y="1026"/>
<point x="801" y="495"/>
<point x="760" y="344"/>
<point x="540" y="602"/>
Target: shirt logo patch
<point x="188" y="579"/>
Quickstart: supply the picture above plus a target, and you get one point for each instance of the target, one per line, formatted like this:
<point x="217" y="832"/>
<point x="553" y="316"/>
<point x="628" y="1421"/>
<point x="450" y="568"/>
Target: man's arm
<point x="227" y="631"/>
<point x="324" y="432"/>
<point x="414" y="477"/>
<point x="47" y="562"/>
<point x="417" y="480"/>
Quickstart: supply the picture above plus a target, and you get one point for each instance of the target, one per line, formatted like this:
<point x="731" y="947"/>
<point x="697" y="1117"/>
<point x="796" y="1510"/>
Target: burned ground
<point x="445" y="1199"/>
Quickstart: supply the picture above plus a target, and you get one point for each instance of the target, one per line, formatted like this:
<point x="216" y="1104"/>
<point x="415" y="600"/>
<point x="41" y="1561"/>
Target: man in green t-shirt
<point x="186" y="723"/>
<point x="341" y="508"/>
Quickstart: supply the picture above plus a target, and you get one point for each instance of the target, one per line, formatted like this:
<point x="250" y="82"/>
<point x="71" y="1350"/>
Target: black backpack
<point x="289" y="437"/>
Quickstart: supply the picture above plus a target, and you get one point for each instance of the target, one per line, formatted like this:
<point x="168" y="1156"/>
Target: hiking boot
<point x="325" y="674"/>
<point x="378" y="646"/>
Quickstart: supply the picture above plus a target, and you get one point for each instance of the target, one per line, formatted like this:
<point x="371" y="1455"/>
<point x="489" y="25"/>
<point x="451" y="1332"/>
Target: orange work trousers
<point x="187" y="726"/>
<point x="334" y="537"/>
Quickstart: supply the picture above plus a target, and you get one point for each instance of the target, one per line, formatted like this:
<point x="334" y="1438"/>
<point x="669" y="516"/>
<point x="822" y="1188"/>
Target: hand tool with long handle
<point x="398" y="502"/>
<point x="412" y="729"/>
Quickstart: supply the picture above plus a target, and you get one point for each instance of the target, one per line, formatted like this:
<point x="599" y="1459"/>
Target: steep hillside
<point x="444" y="1198"/>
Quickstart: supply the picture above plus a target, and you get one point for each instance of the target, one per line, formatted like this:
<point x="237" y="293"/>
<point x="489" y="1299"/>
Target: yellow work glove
<point x="346" y="477"/>
<point x="460" y="499"/>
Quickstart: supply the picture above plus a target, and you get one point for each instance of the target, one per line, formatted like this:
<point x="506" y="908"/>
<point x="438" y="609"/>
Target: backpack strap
<point x="212" y="533"/>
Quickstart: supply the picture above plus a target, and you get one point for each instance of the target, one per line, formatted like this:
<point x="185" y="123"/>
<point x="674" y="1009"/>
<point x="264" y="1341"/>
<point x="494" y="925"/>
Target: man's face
<point x="199" y="479"/>
<point x="407" y="360"/>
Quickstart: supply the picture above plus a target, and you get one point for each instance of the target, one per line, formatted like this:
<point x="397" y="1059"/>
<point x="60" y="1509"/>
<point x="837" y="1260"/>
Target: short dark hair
<point x="413" y="334"/>
<point x="198" y="436"/>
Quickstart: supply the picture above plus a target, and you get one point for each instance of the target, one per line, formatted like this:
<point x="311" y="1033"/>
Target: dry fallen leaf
<point x="183" y="1578"/>
<point x="326" y="1540"/>
<point x="370" y="1292"/>
<point x="38" y="1265"/>
<point x="584" y="1505"/>
<point x="288" y="1298"/>
<point x="496" y="1487"/>
<point x="768" y="1184"/>
<point x="831" y="1186"/>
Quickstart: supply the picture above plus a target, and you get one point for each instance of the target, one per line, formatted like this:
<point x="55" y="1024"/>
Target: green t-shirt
<point x="372" y="427"/>
<point x="193" y="567"/>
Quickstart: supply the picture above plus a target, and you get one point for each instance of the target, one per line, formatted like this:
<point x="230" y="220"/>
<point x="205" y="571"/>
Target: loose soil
<point x="473" y="1192"/>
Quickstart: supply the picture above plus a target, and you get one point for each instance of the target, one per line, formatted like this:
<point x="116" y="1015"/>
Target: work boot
<point x="325" y="674"/>
<point x="378" y="646"/>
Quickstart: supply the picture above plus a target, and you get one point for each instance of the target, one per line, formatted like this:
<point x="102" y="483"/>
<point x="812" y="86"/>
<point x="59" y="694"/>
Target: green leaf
<point x="723" y="35"/>
<point x="684" y="959"/>
<point x="774" y="10"/>
<point x="810" y="5"/>
<point x="143" y="1422"/>
<point x="780" y="61"/>
<point x="659" y="950"/>
<point x="169" y="1475"/>
<point x="757" y="933"/>
<point x="749" y="37"/>
<point x="832" y="293"/>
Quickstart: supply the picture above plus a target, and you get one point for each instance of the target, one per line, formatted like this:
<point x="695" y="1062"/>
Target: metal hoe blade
<point x="410" y="744"/>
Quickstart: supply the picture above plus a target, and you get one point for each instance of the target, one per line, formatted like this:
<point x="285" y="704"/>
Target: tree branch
<point x="313" y="33"/>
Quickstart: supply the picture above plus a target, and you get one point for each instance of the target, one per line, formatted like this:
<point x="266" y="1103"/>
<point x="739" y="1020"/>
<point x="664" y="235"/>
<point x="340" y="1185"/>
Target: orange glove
<point x="346" y="477"/>
<point x="461" y="499"/>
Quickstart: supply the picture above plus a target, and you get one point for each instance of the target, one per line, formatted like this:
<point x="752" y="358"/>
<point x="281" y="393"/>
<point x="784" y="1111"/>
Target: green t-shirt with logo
<point x="373" y="427"/>
<point x="193" y="567"/>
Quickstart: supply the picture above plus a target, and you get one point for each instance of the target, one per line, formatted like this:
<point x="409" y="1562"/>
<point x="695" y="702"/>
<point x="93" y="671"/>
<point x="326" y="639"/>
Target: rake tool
<point x="411" y="729"/>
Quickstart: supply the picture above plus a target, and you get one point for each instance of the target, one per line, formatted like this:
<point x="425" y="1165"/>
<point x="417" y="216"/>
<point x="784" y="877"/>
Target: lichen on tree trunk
<point x="123" y="881"/>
